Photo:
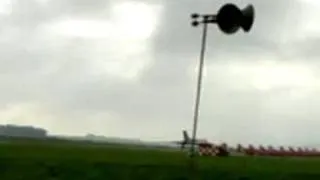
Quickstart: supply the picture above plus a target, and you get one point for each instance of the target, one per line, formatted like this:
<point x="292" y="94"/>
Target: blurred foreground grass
<point x="42" y="160"/>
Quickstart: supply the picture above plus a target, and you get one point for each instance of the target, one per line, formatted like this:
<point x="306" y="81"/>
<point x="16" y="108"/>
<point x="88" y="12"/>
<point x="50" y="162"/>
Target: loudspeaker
<point x="230" y="18"/>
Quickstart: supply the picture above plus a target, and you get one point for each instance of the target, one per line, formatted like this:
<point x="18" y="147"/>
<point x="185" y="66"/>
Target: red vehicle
<point x="262" y="151"/>
<point x="272" y="151"/>
<point x="300" y="152"/>
<point x="282" y="151"/>
<point x="291" y="152"/>
<point x="269" y="151"/>
<point x="251" y="150"/>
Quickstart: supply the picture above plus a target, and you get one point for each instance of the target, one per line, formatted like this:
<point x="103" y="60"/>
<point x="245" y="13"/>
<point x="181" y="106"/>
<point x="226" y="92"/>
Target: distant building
<point x="22" y="131"/>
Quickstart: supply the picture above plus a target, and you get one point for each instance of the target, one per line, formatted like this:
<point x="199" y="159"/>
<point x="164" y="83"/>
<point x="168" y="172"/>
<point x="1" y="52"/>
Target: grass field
<point x="42" y="160"/>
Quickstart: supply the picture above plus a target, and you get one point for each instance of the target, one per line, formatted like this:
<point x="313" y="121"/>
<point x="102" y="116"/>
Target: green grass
<point x="30" y="159"/>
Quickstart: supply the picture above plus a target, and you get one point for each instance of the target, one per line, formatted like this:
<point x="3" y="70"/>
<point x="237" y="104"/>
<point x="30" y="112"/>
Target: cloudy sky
<point x="128" y="68"/>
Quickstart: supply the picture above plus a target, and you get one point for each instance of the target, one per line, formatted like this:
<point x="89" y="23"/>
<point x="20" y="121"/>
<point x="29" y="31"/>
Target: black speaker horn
<point x="230" y="18"/>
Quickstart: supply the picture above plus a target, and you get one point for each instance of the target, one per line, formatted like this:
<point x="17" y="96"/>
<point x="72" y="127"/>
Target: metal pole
<point x="198" y="90"/>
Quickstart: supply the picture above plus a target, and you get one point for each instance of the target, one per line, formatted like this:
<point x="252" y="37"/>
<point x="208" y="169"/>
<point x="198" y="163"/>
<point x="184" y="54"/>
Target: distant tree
<point x="22" y="131"/>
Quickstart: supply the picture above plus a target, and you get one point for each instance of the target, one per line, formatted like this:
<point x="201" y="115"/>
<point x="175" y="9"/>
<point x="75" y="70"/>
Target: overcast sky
<point x="127" y="68"/>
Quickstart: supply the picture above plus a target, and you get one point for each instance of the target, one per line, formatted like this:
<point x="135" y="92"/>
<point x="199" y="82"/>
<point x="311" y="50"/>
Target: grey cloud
<point x="33" y="12"/>
<point x="71" y="87"/>
<point x="308" y="48"/>
<point x="273" y="19"/>
<point x="258" y="117"/>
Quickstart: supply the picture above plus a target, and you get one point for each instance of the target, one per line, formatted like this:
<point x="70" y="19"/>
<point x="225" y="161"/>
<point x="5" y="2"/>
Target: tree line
<point x="22" y="131"/>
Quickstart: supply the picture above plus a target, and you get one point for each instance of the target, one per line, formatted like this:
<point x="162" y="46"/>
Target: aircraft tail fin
<point x="186" y="137"/>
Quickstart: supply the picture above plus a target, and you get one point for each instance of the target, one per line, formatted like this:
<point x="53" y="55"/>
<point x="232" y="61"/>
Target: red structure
<point x="209" y="149"/>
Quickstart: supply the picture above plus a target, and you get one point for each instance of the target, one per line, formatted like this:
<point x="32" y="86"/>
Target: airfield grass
<point x="53" y="160"/>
